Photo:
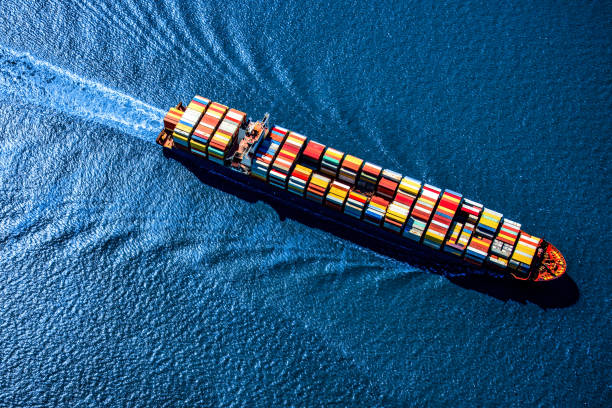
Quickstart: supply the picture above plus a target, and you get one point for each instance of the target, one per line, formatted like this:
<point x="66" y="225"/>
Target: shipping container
<point x="337" y="195"/>
<point x="355" y="204"/>
<point x="317" y="187"/>
<point x="375" y="211"/>
<point x="312" y="155"/>
<point x="172" y="119"/>
<point x="286" y="159"/>
<point x="267" y="152"/>
<point x="524" y="252"/>
<point x="368" y="177"/>
<point x="190" y="118"/>
<point x="503" y="244"/>
<point x="331" y="162"/>
<point x="349" y="169"/>
<point x="421" y="212"/>
<point x="206" y="128"/>
<point x="441" y="221"/>
<point x="388" y="183"/>
<point x="299" y="180"/>
<point x="223" y="140"/>
<point x="399" y="209"/>
<point x="462" y="227"/>
<point x="478" y="247"/>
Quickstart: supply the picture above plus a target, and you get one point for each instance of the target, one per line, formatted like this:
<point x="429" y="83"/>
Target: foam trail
<point x="25" y="79"/>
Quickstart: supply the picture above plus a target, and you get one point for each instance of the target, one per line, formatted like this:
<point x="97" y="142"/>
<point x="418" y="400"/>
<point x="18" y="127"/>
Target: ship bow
<point x="553" y="264"/>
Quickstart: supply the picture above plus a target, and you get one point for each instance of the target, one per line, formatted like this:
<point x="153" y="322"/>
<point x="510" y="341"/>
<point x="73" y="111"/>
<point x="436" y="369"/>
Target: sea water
<point x="126" y="280"/>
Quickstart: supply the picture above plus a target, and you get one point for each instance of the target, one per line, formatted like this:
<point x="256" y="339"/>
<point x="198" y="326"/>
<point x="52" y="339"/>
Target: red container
<point x="314" y="151"/>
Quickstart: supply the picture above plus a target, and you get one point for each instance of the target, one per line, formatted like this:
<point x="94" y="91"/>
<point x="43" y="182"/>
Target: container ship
<point x="414" y="216"/>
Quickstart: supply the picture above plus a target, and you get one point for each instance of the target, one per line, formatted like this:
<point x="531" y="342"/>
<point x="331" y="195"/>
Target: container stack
<point x="388" y="183"/>
<point x="488" y="224"/>
<point x="267" y="152"/>
<point x="376" y="210"/>
<point x="396" y="217"/>
<point x="355" y="204"/>
<point x="312" y="154"/>
<point x="408" y="191"/>
<point x="337" y="195"/>
<point x="299" y="180"/>
<point x="441" y="221"/>
<point x="172" y="118"/>
<point x="285" y="160"/>
<point x="349" y="169"/>
<point x="421" y="213"/>
<point x="317" y="188"/>
<point x="368" y="178"/>
<point x="223" y="140"/>
<point x="477" y="251"/>
<point x="462" y="229"/>
<point x="478" y="248"/>
<point x="189" y="120"/>
<point x="398" y="210"/>
<point x="504" y="242"/>
<point x="524" y="252"/>
<point x="331" y="162"/>
<point x="206" y="128"/>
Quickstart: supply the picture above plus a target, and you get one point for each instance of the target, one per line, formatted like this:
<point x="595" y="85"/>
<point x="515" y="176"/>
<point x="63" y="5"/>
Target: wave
<point x="28" y="80"/>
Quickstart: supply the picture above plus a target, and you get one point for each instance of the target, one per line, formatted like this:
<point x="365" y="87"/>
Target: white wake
<point x="28" y="80"/>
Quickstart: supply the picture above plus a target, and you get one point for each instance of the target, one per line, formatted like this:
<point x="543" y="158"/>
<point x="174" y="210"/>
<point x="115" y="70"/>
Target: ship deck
<point x="549" y="265"/>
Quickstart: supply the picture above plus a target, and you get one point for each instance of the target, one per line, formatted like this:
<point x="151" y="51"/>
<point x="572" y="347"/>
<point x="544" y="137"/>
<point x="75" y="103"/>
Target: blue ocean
<point x="128" y="280"/>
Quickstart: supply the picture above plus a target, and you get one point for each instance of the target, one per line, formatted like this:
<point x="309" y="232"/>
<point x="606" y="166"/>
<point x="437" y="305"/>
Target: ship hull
<point x="338" y="223"/>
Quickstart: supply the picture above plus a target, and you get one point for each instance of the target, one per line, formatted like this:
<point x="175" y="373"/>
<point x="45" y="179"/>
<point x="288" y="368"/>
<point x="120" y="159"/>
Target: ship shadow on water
<point x="560" y="293"/>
